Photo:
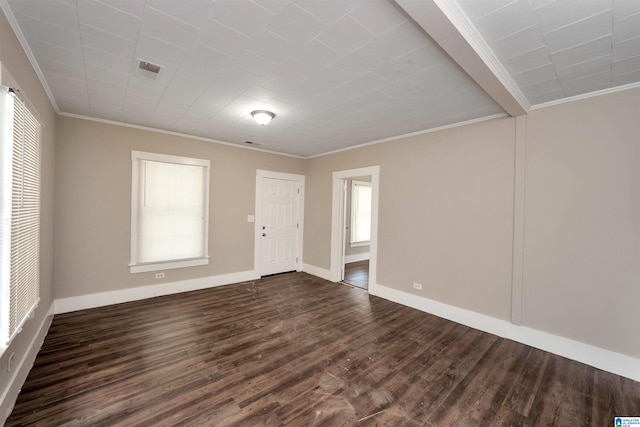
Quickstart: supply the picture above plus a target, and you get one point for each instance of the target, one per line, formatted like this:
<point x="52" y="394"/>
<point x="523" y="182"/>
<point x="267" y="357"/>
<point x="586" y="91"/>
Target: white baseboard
<point x="317" y="271"/>
<point x="597" y="357"/>
<point x="82" y="302"/>
<point x="356" y="257"/>
<point x="22" y="368"/>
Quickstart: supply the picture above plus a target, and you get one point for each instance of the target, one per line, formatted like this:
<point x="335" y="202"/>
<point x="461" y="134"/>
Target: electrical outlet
<point x="10" y="362"/>
<point x="159" y="275"/>
<point x="417" y="286"/>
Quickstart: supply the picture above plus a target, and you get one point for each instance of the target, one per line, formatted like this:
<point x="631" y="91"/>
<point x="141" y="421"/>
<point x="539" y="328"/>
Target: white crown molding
<point x="588" y="95"/>
<point x="27" y="50"/>
<point x="169" y="132"/>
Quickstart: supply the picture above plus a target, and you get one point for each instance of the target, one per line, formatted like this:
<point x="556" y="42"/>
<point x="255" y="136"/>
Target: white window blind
<point x="20" y="212"/>
<point x="360" y="212"/>
<point x="169" y="212"/>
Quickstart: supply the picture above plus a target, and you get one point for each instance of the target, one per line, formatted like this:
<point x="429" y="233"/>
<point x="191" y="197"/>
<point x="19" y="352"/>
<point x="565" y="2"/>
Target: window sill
<point x="168" y="265"/>
<point x="357" y="244"/>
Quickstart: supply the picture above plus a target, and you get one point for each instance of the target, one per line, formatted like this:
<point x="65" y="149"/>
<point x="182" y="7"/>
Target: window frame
<point x="140" y="267"/>
<point x="352" y="242"/>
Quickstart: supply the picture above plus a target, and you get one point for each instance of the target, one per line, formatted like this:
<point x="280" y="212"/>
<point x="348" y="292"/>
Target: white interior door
<point x="279" y="228"/>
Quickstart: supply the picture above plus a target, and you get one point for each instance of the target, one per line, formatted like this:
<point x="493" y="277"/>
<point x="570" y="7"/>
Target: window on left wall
<point x="19" y="215"/>
<point x="169" y="212"/>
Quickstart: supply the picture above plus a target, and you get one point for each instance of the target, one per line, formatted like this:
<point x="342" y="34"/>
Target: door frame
<point x="257" y="247"/>
<point x="338" y="223"/>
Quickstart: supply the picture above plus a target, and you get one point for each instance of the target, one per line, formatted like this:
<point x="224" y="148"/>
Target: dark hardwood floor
<point x="296" y="350"/>
<point x="357" y="274"/>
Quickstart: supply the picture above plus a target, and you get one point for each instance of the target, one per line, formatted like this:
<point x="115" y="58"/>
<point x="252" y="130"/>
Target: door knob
<point x="264" y="234"/>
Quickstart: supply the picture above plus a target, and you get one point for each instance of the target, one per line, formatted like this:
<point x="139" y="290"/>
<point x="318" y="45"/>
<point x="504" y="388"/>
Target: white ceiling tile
<point x="625" y="8"/>
<point x="627" y="78"/>
<point x="563" y="12"/>
<point x="223" y="38"/>
<point x="536" y="98"/>
<point x="107" y="42"/>
<point x="105" y="95"/>
<point x="50" y="34"/>
<point x="228" y="86"/>
<point x="626" y="66"/>
<point x="44" y="51"/>
<point x="588" y="83"/>
<point x="330" y="11"/>
<point x="161" y="26"/>
<point x="295" y="25"/>
<point x="395" y="43"/>
<point x="626" y="49"/>
<point x="527" y="61"/>
<point x="273" y="6"/>
<point x="627" y="28"/>
<point x="106" y="75"/>
<point x="580" y="32"/>
<point x="316" y="54"/>
<point x="60" y="68"/>
<point x="505" y="21"/>
<point x="60" y="14"/>
<point x="260" y="93"/>
<point x="537" y="75"/>
<point x="63" y="83"/>
<point x="131" y="7"/>
<point x="582" y="53"/>
<point x="345" y="36"/>
<point x="205" y="107"/>
<point x="159" y="52"/>
<point x="270" y="46"/>
<point x="254" y="64"/>
<point x="377" y="16"/>
<point x="592" y="66"/>
<point x="476" y="9"/>
<point x="101" y="59"/>
<point x="241" y="15"/>
<point x="549" y="86"/>
<point x="525" y="40"/>
<point x="192" y="12"/>
<point x="535" y="4"/>
<point x="109" y="19"/>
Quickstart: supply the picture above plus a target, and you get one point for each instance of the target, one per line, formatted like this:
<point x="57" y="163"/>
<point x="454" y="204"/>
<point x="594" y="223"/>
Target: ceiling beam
<point x="448" y="25"/>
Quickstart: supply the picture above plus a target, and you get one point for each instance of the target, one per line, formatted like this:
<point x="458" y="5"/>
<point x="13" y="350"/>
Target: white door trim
<point x="337" y="222"/>
<point x="257" y="247"/>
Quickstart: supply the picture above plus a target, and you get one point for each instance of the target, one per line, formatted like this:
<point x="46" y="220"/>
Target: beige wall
<point x="93" y="204"/>
<point x="17" y="72"/>
<point x="445" y="218"/>
<point x="582" y="221"/>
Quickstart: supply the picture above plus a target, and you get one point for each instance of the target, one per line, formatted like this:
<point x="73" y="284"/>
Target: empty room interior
<point x="310" y="212"/>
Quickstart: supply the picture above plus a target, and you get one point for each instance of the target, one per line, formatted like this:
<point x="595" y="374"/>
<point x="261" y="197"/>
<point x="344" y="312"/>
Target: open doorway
<point x="348" y="249"/>
<point x="357" y="231"/>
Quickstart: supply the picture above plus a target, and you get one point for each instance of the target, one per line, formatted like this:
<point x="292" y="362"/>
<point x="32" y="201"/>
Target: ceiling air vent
<point x="149" y="69"/>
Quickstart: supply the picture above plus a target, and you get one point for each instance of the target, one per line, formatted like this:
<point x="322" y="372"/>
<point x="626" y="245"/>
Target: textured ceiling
<point x="337" y="73"/>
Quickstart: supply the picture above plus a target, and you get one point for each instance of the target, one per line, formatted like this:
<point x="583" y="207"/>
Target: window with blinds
<point x="169" y="212"/>
<point x="20" y="215"/>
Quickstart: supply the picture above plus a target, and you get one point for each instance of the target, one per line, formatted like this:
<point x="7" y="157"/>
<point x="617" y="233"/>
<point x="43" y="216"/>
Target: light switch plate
<point x="251" y="218"/>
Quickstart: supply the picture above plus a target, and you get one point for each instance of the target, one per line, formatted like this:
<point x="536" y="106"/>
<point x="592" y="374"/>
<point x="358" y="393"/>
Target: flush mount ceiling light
<point x="262" y="117"/>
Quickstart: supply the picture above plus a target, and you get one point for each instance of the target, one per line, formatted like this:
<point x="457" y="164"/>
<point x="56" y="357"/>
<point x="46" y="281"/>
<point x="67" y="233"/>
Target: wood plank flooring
<point x="357" y="274"/>
<point x="296" y="350"/>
